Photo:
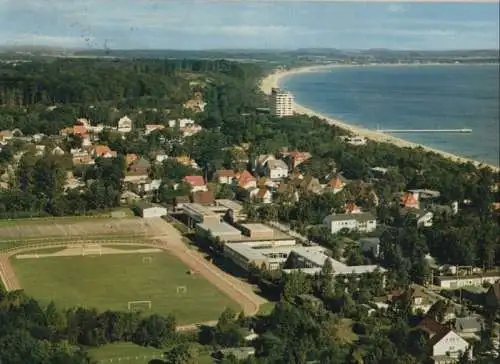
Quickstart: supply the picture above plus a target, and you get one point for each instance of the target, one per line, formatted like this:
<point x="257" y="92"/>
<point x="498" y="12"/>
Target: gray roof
<point x="221" y="228"/>
<point x="468" y="323"/>
<point x="141" y="162"/>
<point x="276" y="163"/>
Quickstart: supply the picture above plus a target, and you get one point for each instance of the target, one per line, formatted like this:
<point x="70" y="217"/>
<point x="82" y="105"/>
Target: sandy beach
<point x="273" y="80"/>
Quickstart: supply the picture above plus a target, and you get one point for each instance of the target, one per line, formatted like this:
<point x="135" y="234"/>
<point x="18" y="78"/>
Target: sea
<point x="412" y="97"/>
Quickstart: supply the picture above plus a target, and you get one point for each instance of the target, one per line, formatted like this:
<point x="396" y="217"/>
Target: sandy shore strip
<point x="273" y="80"/>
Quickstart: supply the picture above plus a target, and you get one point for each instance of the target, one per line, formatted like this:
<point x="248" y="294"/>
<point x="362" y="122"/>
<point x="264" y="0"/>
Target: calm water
<point x="412" y="97"/>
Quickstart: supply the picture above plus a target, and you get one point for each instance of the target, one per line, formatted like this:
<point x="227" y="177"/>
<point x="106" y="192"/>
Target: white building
<point x="276" y="169"/>
<point x="125" y="125"/>
<point x="281" y="103"/>
<point x="364" y="222"/>
<point x="447" y="347"/>
<point x="147" y="210"/>
<point x="454" y="282"/>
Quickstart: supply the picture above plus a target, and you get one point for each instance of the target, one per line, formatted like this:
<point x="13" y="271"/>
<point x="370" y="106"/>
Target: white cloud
<point x="49" y="40"/>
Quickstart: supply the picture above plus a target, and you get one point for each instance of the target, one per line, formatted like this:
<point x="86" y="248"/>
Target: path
<point x="7" y="274"/>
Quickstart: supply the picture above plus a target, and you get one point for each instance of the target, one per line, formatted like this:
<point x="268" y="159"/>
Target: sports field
<point x="111" y="281"/>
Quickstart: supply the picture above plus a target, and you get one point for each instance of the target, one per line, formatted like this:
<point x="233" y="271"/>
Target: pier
<point x="463" y="130"/>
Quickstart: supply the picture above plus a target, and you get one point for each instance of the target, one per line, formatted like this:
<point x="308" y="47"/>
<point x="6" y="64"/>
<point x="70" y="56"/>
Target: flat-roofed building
<point x="453" y="282"/>
<point x="257" y="230"/>
<point x="273" y="255"/>
<point x="221" y="230"/>
<point x="199" y="214"/>
<point x="281" y="102"/>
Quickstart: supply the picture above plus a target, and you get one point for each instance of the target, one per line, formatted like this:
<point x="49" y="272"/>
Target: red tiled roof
<point x="408" y="199"/>
<point x="195" y="181"/>
<point x="80" y="130"/>
<point x="245" y="177"/>
<point x="101" y="150"/>
<point x="336" y="182"/>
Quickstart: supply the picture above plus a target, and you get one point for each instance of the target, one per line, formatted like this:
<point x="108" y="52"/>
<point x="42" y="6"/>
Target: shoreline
<point x="274" y="79"/>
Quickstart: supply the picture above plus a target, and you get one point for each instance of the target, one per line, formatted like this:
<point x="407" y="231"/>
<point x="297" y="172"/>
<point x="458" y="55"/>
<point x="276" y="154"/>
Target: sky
<point x="257" y="24"/>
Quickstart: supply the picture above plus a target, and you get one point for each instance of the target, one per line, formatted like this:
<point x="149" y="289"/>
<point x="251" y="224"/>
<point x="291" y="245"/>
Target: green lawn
<point x="132" y="354"/>
<point x="111" y="281"/>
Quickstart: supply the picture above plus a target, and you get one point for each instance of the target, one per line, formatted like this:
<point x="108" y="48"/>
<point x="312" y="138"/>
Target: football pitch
<point x="120" y="281"/>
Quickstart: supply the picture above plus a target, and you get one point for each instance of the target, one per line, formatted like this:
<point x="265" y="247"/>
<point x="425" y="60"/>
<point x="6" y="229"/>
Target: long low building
<point x="220" y="230"/>
<point x="453" y="282"/>
<point x="309" y="259"/>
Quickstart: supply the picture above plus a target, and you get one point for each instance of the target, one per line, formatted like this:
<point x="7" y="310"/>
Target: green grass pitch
<point x="111" y="281"/>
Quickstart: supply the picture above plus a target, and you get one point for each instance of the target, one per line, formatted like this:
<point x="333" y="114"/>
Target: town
<point x="309" y="215"/>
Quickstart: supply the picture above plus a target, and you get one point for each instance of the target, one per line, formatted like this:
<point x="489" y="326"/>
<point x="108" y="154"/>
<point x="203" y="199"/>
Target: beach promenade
<point x="274" y="79"/>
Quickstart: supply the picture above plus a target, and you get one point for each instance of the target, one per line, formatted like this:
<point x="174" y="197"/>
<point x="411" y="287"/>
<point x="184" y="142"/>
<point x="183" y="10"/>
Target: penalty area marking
<point x="130" y="303"/>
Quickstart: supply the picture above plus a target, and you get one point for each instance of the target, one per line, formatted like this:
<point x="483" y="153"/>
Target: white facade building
<point x="281" y="103"/>
<point x="276" y="169"/>
<point x="447" y="347"/>
<point x="363" y="222"/>
<point x="147" y="210"/>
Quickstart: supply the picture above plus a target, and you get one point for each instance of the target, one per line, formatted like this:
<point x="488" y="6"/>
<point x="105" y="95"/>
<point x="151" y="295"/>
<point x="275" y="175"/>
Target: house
<point x="364" y="222"/>
<point x="336" y="184"/>
<point x="159" y="158"/>
<point x="370" y="245"/>
<point x="224" y="176"/>
<point x="294" y="159"/>
<point x="181" y="123"/>
<point x="276" y="169"/>
<point x="197" y="183"/>
<point x="141" y="184"/>
<point x="147" y="210"/>
<point x="6" y="135"/>
<point x="351" y="208"/>
<point x="139" y="167"/>
<point x="424" y="218"/>
<point x="129" y="197"/>
<point x="492" y="297"/>
<point x="241" y="353"/>
<point x="356" y="140"/>
<point x="125" y="125"/>
<point x="430" y="326"/>
<point x="245" y="180"/>
<point x="447" y="347"/>
<point x="148" y="129"/>
<point x="410" y="200"/>
<point x="261" y="161"/>
<point x="190" y="130"/>
<point x="102" y="151"/>
<point x="129" y="158"/>
<point x="57" y="151"/>
<point x="81" y="157"/>
<point x="418" y="300"/>
<point x="310" y="184"/>
<point x="261" y="194"/>
<point x="205" y="198"/>
<point x="187" y="161"/>
<point x="468" y="327"/>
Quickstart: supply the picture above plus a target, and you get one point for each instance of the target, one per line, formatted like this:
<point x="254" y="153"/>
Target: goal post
<point x="131" y="304"/>
<point x="147" y="259"/>
<point x="181" y="289"/>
